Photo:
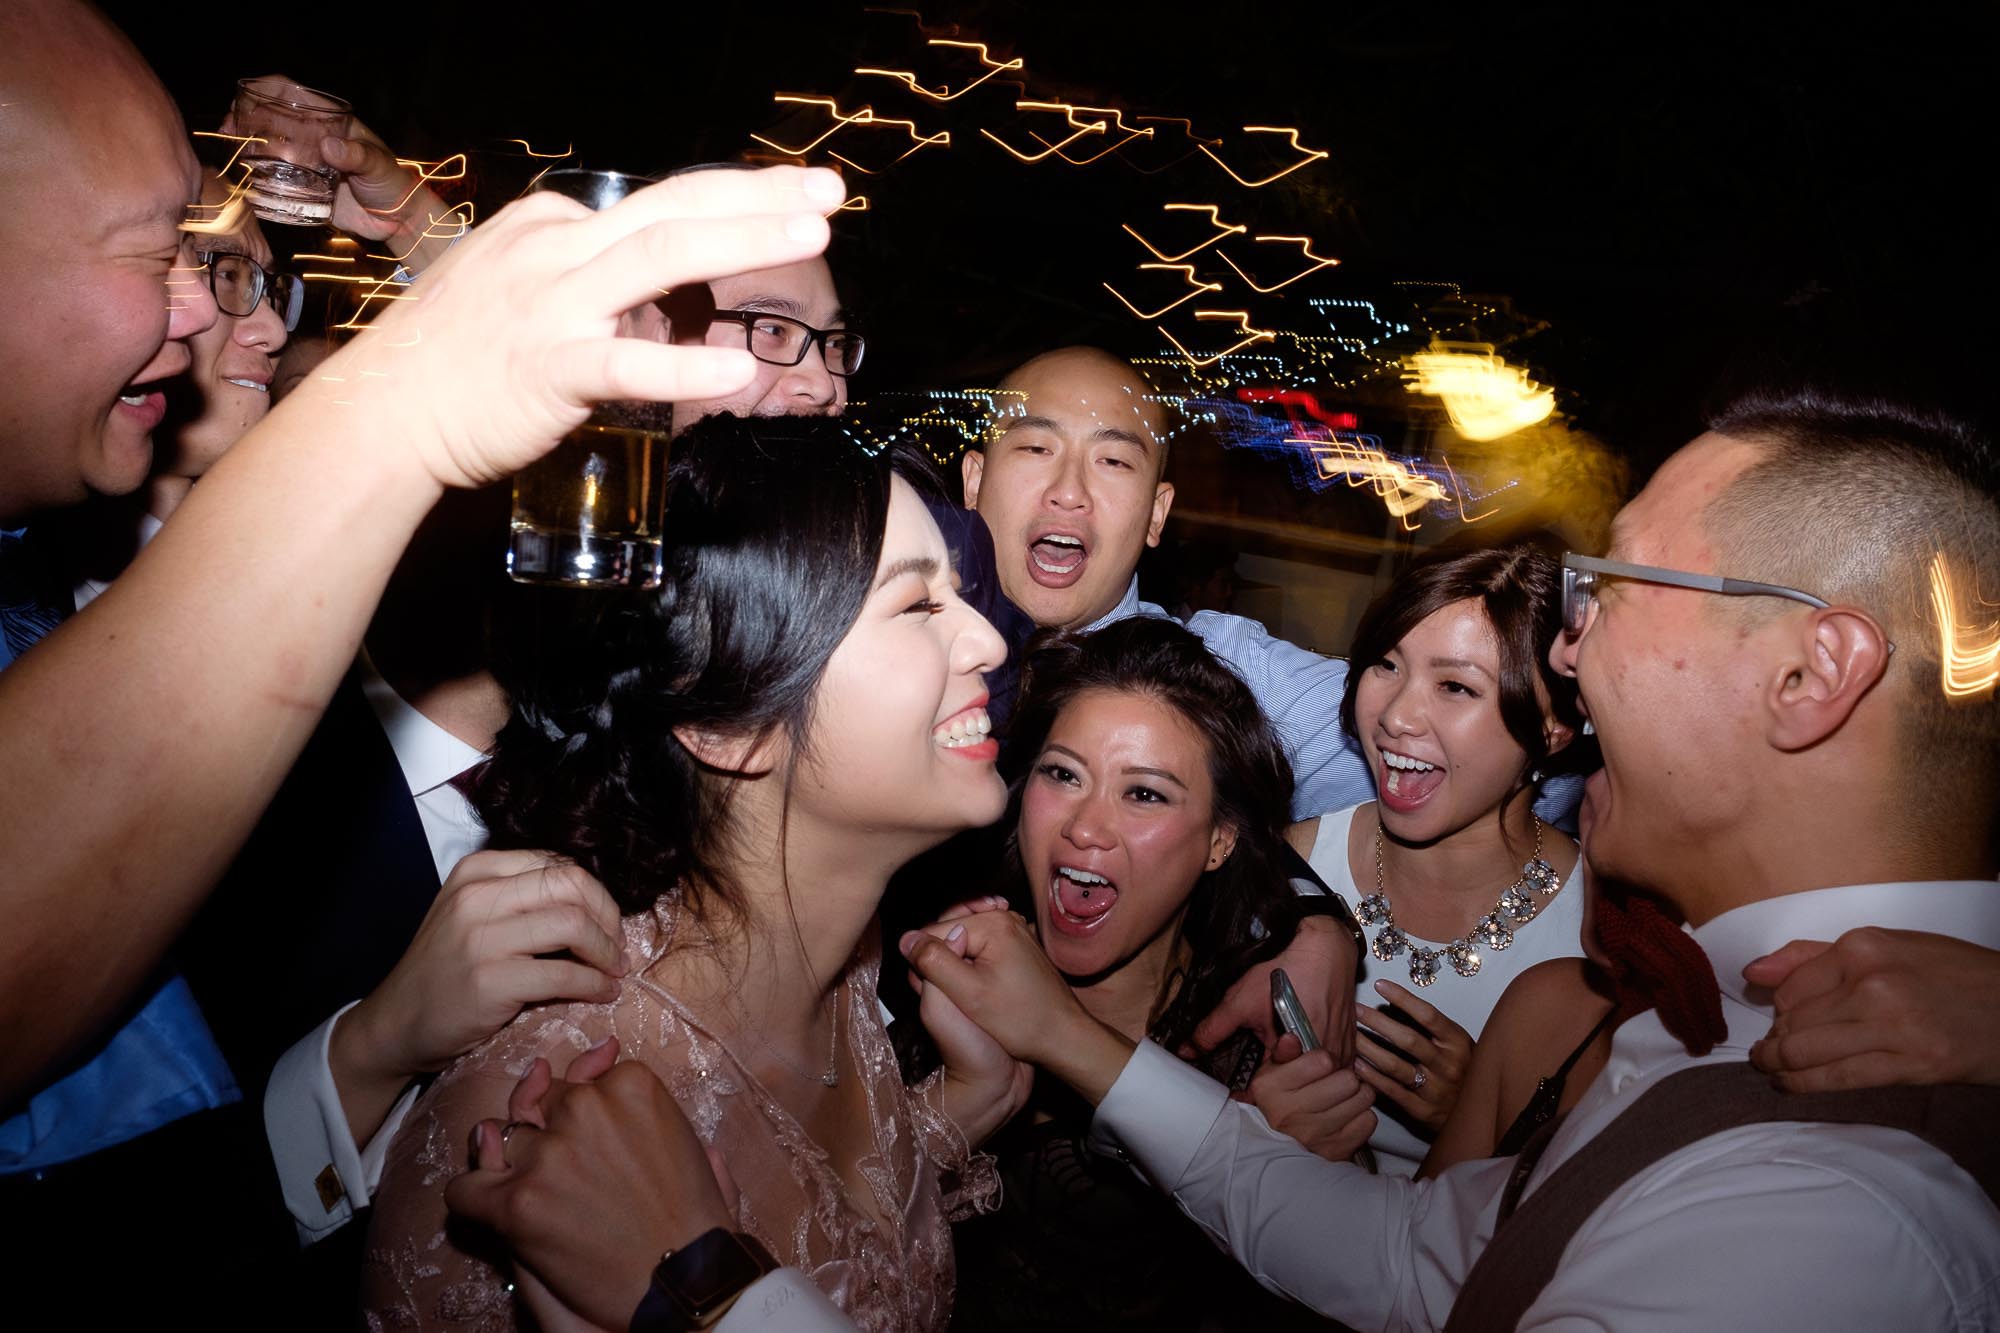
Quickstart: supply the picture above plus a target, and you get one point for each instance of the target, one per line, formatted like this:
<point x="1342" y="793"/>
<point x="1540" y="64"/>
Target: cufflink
<point x="331" y="1191"/>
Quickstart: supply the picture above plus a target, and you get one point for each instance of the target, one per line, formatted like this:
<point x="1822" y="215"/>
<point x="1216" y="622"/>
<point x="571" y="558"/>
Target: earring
<point x="1534" y="776"/>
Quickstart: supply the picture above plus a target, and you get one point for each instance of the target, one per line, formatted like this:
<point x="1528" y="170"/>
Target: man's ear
<point x="1163" y="500"/>
<point x="1833" y="660"/>
<point x="1221" y="843"/>
<point x="972" y="466"/>
<point x="731" y="753"/>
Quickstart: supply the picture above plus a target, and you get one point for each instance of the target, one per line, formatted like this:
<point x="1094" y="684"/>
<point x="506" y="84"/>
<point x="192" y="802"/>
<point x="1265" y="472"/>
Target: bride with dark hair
<point x="743" y="757"/>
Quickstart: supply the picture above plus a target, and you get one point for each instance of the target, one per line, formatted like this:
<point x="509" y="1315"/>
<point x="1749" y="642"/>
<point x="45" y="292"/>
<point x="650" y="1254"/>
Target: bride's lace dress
<point x="895" y="1273"/>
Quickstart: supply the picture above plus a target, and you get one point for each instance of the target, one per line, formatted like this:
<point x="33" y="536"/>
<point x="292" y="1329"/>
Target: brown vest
<point x="1684" y="1108"/>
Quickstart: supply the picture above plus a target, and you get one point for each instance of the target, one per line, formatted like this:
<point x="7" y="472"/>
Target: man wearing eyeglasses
<point x="791" y="320"/>
<point x="1801" y="740"/>
<point x="226" y="390"/>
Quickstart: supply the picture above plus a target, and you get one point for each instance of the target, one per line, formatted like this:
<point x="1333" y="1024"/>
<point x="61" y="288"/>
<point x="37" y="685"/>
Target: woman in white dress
<point x="1458" y="885"/>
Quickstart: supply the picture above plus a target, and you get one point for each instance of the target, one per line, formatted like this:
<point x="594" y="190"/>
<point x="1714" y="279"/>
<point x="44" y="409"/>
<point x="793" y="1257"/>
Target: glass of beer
<point x="588" y="514"/>
<point x="284" y="122"/>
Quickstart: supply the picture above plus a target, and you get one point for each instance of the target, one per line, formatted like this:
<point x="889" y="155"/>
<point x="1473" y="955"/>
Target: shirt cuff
<point x="323" y="1175"/>
<point x="784" y="1301"/>
<point x="1157" y="1114"/>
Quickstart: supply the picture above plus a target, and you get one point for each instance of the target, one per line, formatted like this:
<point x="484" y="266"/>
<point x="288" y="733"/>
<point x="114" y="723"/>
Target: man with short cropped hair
<point x="1766" y="654"/>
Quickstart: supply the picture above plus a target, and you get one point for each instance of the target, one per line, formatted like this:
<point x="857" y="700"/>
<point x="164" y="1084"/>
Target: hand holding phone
<point x="1291" y="1015"/>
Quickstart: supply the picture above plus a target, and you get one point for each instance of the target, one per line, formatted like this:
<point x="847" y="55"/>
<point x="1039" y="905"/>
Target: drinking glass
<point x="290" y="181"/>
<point x="588" y="514"/>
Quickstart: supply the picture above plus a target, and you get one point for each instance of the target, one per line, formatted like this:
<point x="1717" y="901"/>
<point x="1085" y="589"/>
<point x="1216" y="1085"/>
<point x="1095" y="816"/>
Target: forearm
<point x="369" y="1080"/>
<point x="1373" y="1251"/>
<point x="140" y="741"/>
<point x="1089" y="1056"/>
<point x="978" y="1112"/>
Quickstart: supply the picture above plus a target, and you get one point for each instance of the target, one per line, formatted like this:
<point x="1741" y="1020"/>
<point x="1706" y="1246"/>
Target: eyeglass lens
<point x="783" y="342"/>
<point x="239" y="282"/>
<point x="1579" y="586"/>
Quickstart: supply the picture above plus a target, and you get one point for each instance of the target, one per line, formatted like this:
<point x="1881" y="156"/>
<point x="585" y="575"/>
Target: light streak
<point x="426" y="173"/>
<point x="865" y="116"/>
<point x="1311" y="155"/>
<point x="1048" y="149"/>
<point x="228" y="215"/>
<point x="529" y="149"/>
<point x="1242" y="318"/>
<point x="944" y="93"/>
<point x="1223" y="229"/>
<point x="1186" y="271"/>
<point x="1303" y="242"/>
<point x="1070" y="111"/>
<point x="241" y="141"/>
<point x="1186" y="125"/>
<point x="1484" y="396"/>
<point x="1969" y="655"/>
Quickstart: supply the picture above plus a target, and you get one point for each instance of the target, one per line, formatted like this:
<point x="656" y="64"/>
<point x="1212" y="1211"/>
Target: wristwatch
<point x="695" y="1285"/>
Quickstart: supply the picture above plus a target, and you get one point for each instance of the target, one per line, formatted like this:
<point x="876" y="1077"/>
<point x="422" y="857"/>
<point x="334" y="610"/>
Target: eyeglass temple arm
<point x="1745" y="587"/>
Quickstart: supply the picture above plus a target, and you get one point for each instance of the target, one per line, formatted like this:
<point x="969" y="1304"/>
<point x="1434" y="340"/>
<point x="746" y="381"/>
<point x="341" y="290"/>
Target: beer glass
<point x="290" y="181"/>
<point x="588" y="514"/>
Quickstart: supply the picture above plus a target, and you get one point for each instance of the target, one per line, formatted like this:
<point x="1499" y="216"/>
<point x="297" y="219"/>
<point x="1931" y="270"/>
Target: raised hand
<point x="1426" y="1085"/>
<point x="991" y="967"/>
<point x="984" y="1086"/>
<point x="1323" y="1106"/>
<point x="511" y="337"/>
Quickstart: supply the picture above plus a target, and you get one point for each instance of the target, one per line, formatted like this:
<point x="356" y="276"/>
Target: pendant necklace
<point x="1516" y="905"/>
<point x="831" y="1076"/>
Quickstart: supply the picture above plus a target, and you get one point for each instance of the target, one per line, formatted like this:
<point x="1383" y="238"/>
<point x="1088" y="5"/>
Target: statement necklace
<point x="1516" y="905"/>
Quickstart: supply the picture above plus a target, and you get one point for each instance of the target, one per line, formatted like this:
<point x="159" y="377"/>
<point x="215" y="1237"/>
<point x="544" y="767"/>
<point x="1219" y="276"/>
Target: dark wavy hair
<point x="774" y="527"/>
<point x="1242" y="908"/>
<point x="1520" y="588"/>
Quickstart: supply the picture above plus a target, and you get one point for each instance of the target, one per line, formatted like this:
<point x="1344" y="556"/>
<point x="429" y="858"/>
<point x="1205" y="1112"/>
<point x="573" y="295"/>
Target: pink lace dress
<point x="892" y="1273"/>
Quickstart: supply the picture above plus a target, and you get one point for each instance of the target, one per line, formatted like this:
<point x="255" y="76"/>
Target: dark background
<point x="1667" y="194"/>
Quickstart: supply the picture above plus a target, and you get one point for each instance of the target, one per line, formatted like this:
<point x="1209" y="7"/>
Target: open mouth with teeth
<point x="1406" y="782"/>
<point x="1079" y="900"/>
<point x="968" y="732"/>
<point x="248" y="384"/>
<point x="148" y="405"/>
<point x="1056" y="559"/>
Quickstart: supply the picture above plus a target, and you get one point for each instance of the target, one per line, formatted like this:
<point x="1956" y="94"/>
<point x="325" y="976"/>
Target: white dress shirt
<point x="324" y="1173"/>
<point x="1774" y="1226"/>
<point x="1555" y="932"/>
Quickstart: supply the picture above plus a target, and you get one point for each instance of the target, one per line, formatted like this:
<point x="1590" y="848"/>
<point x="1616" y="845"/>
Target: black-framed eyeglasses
<point x="1582" y="572"/>
<point x="240" y="282"/>
<point x="780" y="340"/>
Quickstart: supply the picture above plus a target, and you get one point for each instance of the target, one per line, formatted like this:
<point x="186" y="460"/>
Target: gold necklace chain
<point x="1515" y="905"/>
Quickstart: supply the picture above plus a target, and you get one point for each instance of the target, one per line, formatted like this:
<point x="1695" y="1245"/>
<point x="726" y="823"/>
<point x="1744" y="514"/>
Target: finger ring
<point x="507" y="1132"/>
<point x="1416" y="1084"/>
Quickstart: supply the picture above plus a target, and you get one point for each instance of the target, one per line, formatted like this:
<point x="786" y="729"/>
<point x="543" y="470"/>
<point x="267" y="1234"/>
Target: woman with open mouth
<point x="743" y="757"/>
<point x="1148" y="834"/>
<point x="1458" y="885"/>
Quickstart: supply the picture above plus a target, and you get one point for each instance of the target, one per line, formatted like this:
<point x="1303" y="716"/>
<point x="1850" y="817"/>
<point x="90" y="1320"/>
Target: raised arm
<point x="141" y="740"/>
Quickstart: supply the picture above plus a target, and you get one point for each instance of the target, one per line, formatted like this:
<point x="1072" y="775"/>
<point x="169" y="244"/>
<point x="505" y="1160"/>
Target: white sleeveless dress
<point x="1555" y="932"/>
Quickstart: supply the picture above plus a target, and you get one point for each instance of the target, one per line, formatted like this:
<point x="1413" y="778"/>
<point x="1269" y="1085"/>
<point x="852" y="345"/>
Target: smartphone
<point x="1290" y="1013"/>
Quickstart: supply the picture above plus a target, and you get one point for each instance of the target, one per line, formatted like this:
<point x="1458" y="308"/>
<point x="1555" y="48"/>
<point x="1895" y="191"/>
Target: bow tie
<point x="1657" y="965"/>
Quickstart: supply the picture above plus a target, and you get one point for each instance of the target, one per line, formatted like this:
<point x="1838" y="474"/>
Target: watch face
<point x="710" y="1269"/>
